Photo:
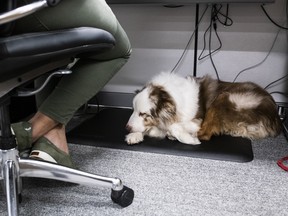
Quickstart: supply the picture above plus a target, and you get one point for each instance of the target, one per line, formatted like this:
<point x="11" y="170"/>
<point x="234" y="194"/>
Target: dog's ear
<point x="165" y="107"/>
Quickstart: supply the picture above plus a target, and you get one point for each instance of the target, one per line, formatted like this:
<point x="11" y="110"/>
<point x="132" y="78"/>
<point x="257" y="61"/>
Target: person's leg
<point x="89" y="75"/>
<point x="88" y="78"/>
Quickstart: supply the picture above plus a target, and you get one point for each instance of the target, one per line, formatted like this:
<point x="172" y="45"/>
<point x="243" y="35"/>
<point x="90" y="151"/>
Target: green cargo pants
<point x="89" y="75"/>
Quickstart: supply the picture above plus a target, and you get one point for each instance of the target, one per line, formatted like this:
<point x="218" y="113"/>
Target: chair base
<point x="13" y="168"/>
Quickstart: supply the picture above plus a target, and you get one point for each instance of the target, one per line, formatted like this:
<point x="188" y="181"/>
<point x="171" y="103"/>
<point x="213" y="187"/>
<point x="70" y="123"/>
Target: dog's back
<point x="238" y="109"/>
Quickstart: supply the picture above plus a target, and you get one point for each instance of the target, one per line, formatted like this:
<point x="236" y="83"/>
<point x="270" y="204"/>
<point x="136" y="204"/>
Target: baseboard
<point x="112" y="99"/>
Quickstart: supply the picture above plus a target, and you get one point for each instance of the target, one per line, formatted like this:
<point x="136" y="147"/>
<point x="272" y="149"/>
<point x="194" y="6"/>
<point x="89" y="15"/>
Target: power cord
<point x="261" y="62"/>
<point x="212" y="21"/>
<point x="280" y="27"/>
<point x="228" y="21"/>
<point x="216" y="16"/>
<point x="278" y="92"/>
<point x="264" y="10"/>
<point x="201" y="57"/>
<point x="275" y="81"/>
<point x="189" y="42"/>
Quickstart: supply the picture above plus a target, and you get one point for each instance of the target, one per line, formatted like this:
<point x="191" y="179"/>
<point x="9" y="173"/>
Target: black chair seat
<point x="40" y="47"/>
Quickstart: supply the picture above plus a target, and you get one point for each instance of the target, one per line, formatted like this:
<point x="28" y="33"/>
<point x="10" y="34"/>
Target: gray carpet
<point x="167" y="185"/>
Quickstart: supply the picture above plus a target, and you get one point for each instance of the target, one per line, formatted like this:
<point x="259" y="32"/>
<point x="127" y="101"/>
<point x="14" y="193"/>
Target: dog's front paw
<point x="188" y="139"/>
<point x="134" y="138"/>
<point x="177" y="131"/>
<point x="203" y="135"/>
<point x="170" y="136"/>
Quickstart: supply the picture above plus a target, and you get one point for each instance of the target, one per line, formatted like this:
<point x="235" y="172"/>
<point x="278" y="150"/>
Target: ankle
<point x="41" y="125"/>
<point x="57" y="136"/>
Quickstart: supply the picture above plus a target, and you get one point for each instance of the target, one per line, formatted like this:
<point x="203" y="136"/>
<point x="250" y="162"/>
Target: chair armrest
<point x="20" y="53"/>
<point x="52" y="41"/>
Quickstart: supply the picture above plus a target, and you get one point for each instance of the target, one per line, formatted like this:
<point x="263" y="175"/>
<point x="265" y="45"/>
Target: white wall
<point x="158" y="36"/>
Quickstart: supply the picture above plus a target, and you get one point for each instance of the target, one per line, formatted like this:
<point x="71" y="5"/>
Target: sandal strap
<point x="37" y="154"/>
<point x="23" y="134"/>
<point x="45" y="150"/>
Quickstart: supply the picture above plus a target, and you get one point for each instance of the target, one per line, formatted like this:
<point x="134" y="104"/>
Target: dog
<point x="190" y="109"/>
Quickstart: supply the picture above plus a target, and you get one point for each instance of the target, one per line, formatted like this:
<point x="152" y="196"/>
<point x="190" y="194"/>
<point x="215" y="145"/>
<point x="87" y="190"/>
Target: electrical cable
<point x="204" y="45"/>
<point x="214" y="14"/>
<point x="226" y="16"/>
<point x="212" y="21"/>
<point x="264" y="10"/>
<point x="280" y="27"/>
<point x="261" y="62"/>
<point x="275" y="81"/>
<point x="278" y="92"/>
<point x="189" y="42"/>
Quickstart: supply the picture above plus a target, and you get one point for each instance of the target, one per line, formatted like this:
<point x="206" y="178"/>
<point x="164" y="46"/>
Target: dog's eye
<point x="144" y="115"/>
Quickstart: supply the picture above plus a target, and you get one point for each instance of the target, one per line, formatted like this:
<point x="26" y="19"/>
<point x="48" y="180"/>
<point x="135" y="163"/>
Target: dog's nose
<point x="128" y="128"/>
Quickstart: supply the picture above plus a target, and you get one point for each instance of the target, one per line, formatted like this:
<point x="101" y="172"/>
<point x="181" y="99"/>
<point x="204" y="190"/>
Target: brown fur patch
<point x="165" y="107"/>
<point x="223" y="116"/>
<point x="149" y="121"/>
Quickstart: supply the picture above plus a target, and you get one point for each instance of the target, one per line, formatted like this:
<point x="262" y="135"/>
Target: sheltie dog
<point x="191" y="109"/>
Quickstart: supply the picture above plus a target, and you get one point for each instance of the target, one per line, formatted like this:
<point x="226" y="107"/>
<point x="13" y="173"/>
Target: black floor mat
<point x="107" y="129"/>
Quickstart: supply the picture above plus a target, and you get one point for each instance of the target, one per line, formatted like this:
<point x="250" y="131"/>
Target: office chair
<point x="23" y="58"/>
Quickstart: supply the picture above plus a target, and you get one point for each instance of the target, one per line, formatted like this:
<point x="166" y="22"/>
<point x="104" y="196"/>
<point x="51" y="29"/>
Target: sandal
<point x="23" y="134"/>
<point x="45" y="150"/>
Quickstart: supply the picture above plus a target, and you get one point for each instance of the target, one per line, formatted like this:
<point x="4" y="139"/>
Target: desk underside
<point x="184" y="2"/>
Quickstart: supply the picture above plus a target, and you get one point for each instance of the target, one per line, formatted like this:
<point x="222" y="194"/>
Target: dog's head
<point x="153" y="106"/>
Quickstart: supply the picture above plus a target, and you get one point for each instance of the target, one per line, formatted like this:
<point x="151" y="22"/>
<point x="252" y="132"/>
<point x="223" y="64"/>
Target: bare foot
<point x="41" y="124"/>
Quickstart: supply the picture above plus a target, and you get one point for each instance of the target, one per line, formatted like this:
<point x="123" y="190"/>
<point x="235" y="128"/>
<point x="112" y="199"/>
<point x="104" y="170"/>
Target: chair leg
<point x="11" y="179"/>
<point x="11" y="187"/>
<point x="120" y="194"/>
<point x="12" y="168"/>
<point x="9" y="166"/>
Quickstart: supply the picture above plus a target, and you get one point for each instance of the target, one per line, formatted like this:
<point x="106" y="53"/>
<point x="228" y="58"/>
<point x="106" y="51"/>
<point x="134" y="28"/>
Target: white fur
<point x="134" y="137"/>
<point x="245" y="100"/>
<point x="184" y="92"/>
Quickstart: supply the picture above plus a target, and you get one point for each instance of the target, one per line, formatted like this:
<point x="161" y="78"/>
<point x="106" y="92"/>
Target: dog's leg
<point x="156" y="132"/>
<point x="134" y="138"/>
<point x="192" y="126"/>
<point x="208" y="127"/>
<point x="212" y="123"/>
<point x="176" y="130"/>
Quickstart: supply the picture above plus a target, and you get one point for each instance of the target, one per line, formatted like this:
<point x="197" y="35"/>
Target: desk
<point x="187" y="2"/>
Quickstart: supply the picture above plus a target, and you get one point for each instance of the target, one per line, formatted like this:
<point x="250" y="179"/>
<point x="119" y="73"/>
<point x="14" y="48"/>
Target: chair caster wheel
<point x="123" y="197"/>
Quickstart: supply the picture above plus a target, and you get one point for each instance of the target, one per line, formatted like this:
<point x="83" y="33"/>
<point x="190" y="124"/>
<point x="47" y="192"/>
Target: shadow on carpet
<point x="107" y="129"/>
